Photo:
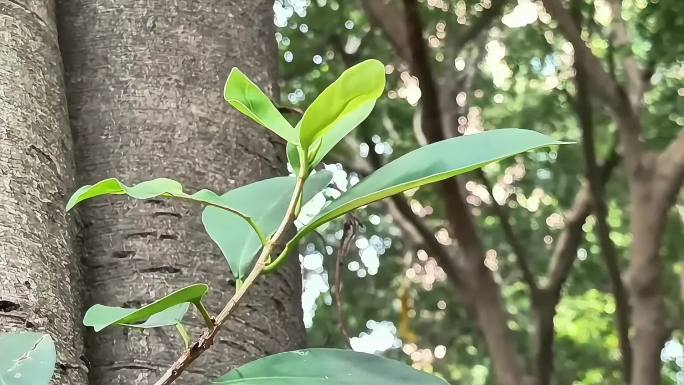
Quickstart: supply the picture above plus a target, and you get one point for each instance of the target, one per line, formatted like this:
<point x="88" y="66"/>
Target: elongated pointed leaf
<point x="160" y="187"/>
<point x="266" y="203"/>
<point x="327" y="367"/>
<point x="432" y="163"/>
<point x="341" y="107"/>
<point x="26" y="358"/>
<point x="100" y="316"/>
<point x="246" y="97"/>
<point x="341" y="128"/>
<point x="166" y="311"/>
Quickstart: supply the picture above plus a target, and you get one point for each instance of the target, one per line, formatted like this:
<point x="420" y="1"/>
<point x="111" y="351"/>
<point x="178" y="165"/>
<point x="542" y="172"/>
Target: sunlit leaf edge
<point x="281" y="128"/>
<point x="332" y="211"/>
<point x="345" y="356"/>
<point x="189" y="294"/>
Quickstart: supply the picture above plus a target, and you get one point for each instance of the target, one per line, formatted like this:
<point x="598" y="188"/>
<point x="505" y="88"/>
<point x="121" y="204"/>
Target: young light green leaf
<point x="266" y="202"/>
<point x="160" y="187"/>
<point x="246" y="97"/>
<point x="329" y="367"/>
<point x="342" y="127"/>
<point x="166" y="311"/>
<point x="26" y="358"/>
<point x="99" y="315"/>
<point x="292" y="152"/>
<point x="341" y="107"/>
<point x="430" y="164"/>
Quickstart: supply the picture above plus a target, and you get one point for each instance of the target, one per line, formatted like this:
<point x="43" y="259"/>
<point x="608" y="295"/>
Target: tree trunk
<point x="544" y="305"/>
<point x="144" y="83"/>
<point x="489" y="310"/>
<point x="647" y="224"/>
<point x="39" y="275"/>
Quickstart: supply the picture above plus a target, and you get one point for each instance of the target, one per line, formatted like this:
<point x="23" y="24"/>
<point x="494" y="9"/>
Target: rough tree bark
<point x="144" y="83"/>
<point x="39" y="277"/>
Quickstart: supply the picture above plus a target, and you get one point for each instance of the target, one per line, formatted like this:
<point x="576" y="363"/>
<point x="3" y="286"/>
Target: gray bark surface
<point x="39" y="276"/>
<point x="144" y="85"/>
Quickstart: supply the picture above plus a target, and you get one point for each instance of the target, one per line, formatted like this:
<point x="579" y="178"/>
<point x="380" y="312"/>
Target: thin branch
<point x="489" y="309"/>
<point x="289" y="110"/>
<point x="610" y="58"/>
<point x="404" y="211"/>
<point x="603" y="83"/>
<point x="207" y="338"/>
<point x="565" y="251"/>
<point x="351" y="228"/>
<point x="563" y="257"/>
<point x="388" y="18"/>
<point x="584" y="114"/>
<point x="482" y="23"/>
<point x="623" y="43"/>
<point x="420" y="67"/>
<point x="348" y="58"/>
<point x="440" y="252"/>
<point x="409" y="221"/>
<point x="458" y="214"/>
<point x="511" y="237"/>
<point x="670" y="166"/>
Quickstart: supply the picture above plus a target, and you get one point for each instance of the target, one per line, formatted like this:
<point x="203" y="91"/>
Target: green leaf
<point x="329" y="367"/>
<point x="100" y="316"/>
<point x="339" y="131"/>
<point x="246" y="97"/>
<point x="26" y="358"/>
<point x="292" y="152"/>
<point x="432" y="163"/>
<point x="166" y="311"/>
<point x="341" y="107"/>
<point x="160" y="187"/>
<point x="266" y="202"/>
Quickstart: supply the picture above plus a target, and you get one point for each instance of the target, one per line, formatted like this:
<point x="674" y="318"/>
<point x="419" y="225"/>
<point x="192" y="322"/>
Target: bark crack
<point x="8" y="306"/>
<point x="27" y="10"/>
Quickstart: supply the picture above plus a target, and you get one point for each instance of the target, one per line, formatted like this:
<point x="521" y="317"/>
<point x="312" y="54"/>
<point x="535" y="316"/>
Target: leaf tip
<point x="234" y="71"/>
<point x="76" y="197"/>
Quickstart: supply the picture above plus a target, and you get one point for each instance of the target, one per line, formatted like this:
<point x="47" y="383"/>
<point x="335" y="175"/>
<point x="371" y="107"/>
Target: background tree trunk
<point x="39" y="278"/>
<point x="144" y="83"/>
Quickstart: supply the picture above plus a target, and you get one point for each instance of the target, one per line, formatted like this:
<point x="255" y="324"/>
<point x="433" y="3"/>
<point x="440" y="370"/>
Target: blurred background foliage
<point x="516" y="72"/>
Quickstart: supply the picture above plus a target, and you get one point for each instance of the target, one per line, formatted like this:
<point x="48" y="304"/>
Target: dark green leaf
<point x="327" y="367"/>
<point x="166" y="311"/>
<point x="432" y="163"/>
<point x="246" y="97"/>
<point x="341" y="107"/>
<point x="26" y="358"/>
<point x="266" y="202"/>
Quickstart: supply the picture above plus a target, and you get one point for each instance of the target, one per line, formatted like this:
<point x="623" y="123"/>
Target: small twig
<point x="208" y="319"/>
<point x="351" y="228"/>
<point x="481" y="24"/>
<point x="207" y="338"/>
<point x="511" y="237"/>
<point x="289" y="110"/>
<point x="184" y="334"/>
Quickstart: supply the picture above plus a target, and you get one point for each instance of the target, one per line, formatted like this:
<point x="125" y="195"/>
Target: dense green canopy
<point x="492" y="68"/>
